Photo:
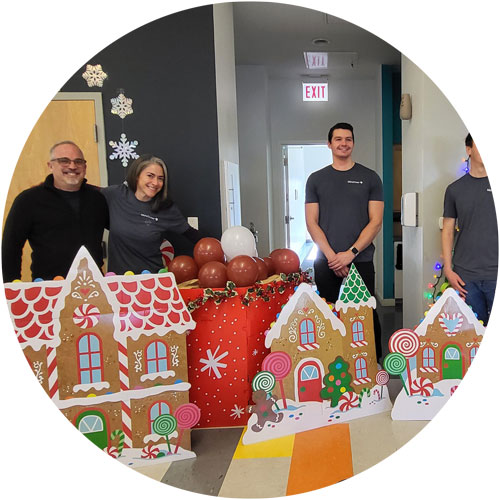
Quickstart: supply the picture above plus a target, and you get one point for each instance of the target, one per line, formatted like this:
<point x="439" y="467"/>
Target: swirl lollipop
<point x="395" y="364"/>
<point x="264" y="381"/>
<point x="165" y="425"/>
<point x="382" y="378"/>
<point x="407" y="343"/>
<point x="279" y="363"/>
<point x="187" y="415"/>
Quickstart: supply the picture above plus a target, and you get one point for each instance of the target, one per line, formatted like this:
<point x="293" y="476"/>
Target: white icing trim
<point x="156" y="437"/>
<point x="120" y="396"/>
<point x="94" y="385"/>
<point x="289" y="308"/>
<point x="342" y="306"/>
<point x="154" y="376"/>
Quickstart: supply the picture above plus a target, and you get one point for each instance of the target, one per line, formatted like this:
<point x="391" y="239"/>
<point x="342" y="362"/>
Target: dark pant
<point x="480" y="295"/>
<point x="329" y="284"/>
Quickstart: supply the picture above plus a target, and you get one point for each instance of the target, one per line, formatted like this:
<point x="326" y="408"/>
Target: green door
<point x="452" y="362"/>
<point x="93" y="425"/>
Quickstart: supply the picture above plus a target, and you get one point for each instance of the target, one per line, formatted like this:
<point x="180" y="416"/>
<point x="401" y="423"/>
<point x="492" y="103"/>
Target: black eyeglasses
<point x="66" y="162"/>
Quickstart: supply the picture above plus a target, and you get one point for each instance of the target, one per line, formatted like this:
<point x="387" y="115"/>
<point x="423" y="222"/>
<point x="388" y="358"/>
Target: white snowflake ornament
<point x="121" y="106"/>
<point x="237" y="412"/>
<point x="94" y="75"/>
<point x="124" y="150"/>
<point x="213" y="362"/>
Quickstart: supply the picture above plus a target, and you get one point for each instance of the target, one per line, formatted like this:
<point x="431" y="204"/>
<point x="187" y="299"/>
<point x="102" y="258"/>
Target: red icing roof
<point x="146" y="304"/>
<point x="32" y="311"/>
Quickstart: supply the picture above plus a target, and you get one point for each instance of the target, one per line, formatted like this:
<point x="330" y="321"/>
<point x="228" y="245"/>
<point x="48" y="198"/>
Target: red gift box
<point x="226" y="349"/>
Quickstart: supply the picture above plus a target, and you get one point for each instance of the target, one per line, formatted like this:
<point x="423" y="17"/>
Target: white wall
<point x="225" y="75"/>
<point x="253" y="131"/>
<point x="296" y="122"/>
<point x="433" y="148"/>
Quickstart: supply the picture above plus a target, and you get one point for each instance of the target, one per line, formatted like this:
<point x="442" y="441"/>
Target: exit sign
<point x="315" y="91"/>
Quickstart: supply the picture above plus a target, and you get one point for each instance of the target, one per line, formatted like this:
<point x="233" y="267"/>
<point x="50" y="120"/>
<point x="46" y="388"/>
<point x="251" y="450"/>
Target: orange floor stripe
<point x="321" y="457"/>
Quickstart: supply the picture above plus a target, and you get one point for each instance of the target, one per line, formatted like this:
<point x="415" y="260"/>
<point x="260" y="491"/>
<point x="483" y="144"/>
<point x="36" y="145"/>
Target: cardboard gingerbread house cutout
<point x="323" y="362"/>
<point x="438" y="354"/>
<point x="110" y="352"/>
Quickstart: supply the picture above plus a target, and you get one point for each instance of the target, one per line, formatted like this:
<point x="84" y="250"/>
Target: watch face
<point x="354" y="250"/>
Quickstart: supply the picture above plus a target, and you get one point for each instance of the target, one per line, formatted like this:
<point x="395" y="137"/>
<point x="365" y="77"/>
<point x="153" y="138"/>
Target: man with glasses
<point x="56" y="217"/>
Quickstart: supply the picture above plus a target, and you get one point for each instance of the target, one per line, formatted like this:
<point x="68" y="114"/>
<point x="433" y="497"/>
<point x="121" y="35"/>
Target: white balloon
<point x="238" y="240"/>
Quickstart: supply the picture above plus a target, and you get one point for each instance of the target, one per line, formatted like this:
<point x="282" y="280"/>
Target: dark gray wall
<point x="168" y="68"/>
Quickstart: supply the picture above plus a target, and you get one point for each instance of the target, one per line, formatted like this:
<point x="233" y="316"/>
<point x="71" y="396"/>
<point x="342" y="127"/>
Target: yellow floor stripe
<point x="280" y="447"/>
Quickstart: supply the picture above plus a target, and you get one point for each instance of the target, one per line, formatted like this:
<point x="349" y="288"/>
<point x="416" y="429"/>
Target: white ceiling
<point x="277" y="35"/>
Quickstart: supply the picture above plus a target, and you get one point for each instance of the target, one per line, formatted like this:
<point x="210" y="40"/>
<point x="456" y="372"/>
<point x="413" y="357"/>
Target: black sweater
<point x="54" y="230"/>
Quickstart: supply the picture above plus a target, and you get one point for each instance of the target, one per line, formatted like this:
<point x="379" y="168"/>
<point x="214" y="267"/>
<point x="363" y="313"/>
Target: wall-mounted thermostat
<point x="409" y="209"/>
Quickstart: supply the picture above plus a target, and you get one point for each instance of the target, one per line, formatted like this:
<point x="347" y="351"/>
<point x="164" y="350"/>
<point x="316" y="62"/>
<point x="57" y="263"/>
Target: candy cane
<point x="121" y="434"/>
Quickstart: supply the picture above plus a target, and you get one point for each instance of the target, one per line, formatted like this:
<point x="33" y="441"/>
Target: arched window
<point x="307" y="332"/>
<point x="358" y="331"/>
<point x="309" y="372"/>
<point x="90" y="359"/>
<point x="160" y="408"/>
<point x="473" y="353"/>
<point x="90" y="423"/>
<point x="429" y="358"/>
<point x="361" y="371"/>
<point x="452" y="353"/>
<point x="157" y="357"/>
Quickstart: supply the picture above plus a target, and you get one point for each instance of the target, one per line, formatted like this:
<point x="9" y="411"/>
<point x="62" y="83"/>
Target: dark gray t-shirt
<point x="136" y="232"/>
<point x="343" y="198"/>
<point x="470" y="201"/>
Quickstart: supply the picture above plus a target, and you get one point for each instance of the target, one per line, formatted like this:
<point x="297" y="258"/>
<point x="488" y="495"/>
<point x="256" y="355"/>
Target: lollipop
<point x="187" y="415"/>
<point x="165" y="425"/>
<point x="395" y="364"/>
<point x="167" y="252"/>
<point x="406" y="342"/>
<point x="382" y="378"/>
<point x="112" y="451"/>
<point x="121" y="434"/>
<point x="86" y="316"/>
<point x="279" y="364"/>
<point x="264" y="381"/>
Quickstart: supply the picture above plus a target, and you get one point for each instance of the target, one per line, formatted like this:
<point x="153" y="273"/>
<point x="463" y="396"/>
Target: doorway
<point x="300" y="161"/>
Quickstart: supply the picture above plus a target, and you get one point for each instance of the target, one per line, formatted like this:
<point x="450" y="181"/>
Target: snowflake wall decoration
<point x="94" y="75"/>
<point x="121" y="106"/>
<point x="125" y="150"/>
<point x="213" y="362"/>
<point x="237" y="412"/>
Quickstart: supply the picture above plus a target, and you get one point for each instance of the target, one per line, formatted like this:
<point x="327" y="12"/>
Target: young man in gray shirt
<point x="471" y="267"/>
<point x="344" y="211"/>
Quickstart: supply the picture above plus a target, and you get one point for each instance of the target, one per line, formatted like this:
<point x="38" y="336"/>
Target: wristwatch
<point x="354" y="250"/>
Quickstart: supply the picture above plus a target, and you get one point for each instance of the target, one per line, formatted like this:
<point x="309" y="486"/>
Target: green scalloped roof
<point x="354" y="289"/>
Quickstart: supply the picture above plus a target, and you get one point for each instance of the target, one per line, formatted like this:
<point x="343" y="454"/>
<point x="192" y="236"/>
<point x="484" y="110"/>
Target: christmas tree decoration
<point x="324" y="361"/>
<point x="435" y="357"/>
<point x="121" y="106"/>
<point x="94" y="75"/>
<point x="124" y="150"/>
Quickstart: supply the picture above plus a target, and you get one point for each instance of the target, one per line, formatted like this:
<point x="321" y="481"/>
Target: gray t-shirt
<point x="343" y="198"/>
<point x="136" y="232"/>
<point x="470" y="201"/>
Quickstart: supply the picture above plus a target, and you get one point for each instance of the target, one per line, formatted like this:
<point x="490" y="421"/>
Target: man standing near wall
<point x="57" y="217"/>
<point x="471" y="267"/>
<point x="344" y="211"/>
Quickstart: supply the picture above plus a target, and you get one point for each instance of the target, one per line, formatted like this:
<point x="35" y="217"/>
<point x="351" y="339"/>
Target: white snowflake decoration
<point x="124" y="150"/>
<point x="255" y="352"/>
<point x="122" y="106"/>
<point x="94" y="75"/>
<point x="237" y="412"/>
<point x="213" y="363"/>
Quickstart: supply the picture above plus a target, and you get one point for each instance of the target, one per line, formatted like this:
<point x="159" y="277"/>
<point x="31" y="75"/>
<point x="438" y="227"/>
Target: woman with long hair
<point x="141" y="214"/>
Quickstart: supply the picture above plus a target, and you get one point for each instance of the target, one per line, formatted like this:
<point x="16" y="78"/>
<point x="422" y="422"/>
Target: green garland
<point x="258" y="291"/>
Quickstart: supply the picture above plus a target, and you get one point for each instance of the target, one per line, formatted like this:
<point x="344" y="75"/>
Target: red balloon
<point x="212" y="275"/>
<point x="270" y="266"/>
<point x="242" y="270"/>
<point x="208" y="250"/>
<point x="184" y="268"/>
<point x="286" y="261"/>
<point x="262" y="269"/>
